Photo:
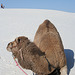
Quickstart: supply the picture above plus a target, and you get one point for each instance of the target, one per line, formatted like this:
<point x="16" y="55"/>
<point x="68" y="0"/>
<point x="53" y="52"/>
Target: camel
<point x="29" y="56"/>
<point x="48" y="40"/>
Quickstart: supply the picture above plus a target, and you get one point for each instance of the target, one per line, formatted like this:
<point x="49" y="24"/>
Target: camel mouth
<point x="9" y="49"/>
<point x="11" y="45"/>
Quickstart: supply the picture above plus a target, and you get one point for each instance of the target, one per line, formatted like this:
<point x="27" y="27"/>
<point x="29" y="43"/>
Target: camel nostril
<point x="11" y="43"/>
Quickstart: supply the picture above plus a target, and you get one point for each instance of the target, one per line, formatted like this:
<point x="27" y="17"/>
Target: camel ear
<point x="26" y="38"/>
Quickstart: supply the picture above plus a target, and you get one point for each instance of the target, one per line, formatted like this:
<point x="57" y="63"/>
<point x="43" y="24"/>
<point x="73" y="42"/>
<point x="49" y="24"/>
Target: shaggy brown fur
<point x="29" y="55"/>
<point x="48" y="40"/>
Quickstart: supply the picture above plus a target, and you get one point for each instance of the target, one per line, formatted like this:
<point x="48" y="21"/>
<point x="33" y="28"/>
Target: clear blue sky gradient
<point x="62" y="5"/>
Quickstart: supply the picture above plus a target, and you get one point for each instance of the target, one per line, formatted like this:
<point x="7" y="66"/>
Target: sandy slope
<point x="18" y="22"/>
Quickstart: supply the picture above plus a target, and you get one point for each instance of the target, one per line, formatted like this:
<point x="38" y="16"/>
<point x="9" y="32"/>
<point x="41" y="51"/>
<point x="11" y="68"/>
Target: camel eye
<point x="19" y="40"/>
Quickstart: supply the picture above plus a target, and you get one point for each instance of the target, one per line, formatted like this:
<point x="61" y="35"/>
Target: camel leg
<point x="38" y="74"/>
<point x="34" y="73"/>
<point x="63" y="70"/>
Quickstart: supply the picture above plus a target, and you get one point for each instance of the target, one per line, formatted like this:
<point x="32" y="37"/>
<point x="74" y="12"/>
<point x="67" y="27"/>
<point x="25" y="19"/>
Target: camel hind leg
<point x="63" y="70"/>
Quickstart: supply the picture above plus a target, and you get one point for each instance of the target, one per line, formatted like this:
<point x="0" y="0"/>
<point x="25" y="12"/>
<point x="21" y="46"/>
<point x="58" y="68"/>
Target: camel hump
<point x="44" y="28"/>
<point x="49" y="26"/>
<point x="46" y="22"/>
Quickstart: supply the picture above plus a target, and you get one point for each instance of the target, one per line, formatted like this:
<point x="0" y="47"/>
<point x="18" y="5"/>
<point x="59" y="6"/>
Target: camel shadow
<point x="70" y="59"/>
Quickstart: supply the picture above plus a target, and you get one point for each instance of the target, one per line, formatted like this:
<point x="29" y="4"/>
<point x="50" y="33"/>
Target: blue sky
<point x="62" y="5"/>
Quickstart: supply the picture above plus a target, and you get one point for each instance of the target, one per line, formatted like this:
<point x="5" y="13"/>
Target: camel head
<point x="16" y="45"/>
